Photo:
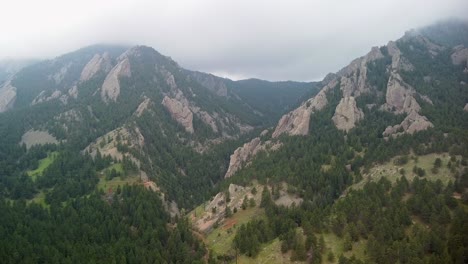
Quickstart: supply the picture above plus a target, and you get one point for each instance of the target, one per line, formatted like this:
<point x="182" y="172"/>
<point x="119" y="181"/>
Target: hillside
<point x="118" y="154"/>
<point x="407" y="98"/>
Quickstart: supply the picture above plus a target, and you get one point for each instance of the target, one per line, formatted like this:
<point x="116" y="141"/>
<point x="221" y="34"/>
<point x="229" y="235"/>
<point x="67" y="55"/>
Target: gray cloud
<point x="274" y="40"/>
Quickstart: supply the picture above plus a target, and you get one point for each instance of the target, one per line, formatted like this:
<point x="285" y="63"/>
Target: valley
<point x="118" y="154"/>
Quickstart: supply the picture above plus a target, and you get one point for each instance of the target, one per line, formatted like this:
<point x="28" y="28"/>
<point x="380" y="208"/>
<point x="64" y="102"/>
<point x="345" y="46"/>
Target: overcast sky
<point x="273" y="40"/>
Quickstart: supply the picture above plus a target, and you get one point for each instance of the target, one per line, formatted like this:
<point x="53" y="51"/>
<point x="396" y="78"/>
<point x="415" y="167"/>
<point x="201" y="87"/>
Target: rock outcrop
<point x="398" y="62"/>
<point x="466" y="108"/>
<point x="7" y="97"/>
<point x="142" y="106"/>
<point x="111" y="87"/>
<point x="297" y="121"/>
<point x="399" y="97"/>
<point x="414" y="122"/>
<point x="347" y="114"/>
<point x="96" y="64"/>
<point x="354" y="76"/>
<point x="211" y="82"/>
<point x="180" y="112"/>
<point x="107" y="144"/>
<point x="43" y="98"/>
<point x="460" y="55"/>
<point x="242" y="156"/>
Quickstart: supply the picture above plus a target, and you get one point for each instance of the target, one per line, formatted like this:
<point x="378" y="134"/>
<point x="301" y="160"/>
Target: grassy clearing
<point x="392" y="171"/>
<point x="43" y="164"/>
<point x="105" y="184"/>
<point x="220" y="239"/>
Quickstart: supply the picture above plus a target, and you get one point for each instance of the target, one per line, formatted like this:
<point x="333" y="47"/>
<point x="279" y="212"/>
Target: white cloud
<point x="301" y="40"/>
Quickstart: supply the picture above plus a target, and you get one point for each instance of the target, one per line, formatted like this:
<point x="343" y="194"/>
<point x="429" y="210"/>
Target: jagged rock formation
<point x="43" y="98"/>
<point x="347" y="114"/>
<point x="297" y="121"/>
<point x="180" y="112"/>
<point x="460" y="55"/>
<point x="398" y="62"/>
<point x="96" y="64"/>
<point x="399" y="97"/>
<point x="414" y="122"/>
<point x="213" y="83"/>
<point x="7" y="96"/>
<point x="142" y="106"/>
<point x="111" y="87"/>
<point x="354" y="76"/>
<point x="242" y="156"/>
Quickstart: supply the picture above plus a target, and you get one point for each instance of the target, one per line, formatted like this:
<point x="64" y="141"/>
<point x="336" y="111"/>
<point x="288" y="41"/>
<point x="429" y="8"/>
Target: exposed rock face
<point x="466" y="108"/>
<point x="207" y="119"/>
<point x="297" y="121"/>
<point x="96" y="64"/>
<point x="347" y="114"/>
<point x="398" y="62"/>
<point x="43" y="98"/>
<point x="354" y="76"/>
<point x="399" y="97"/>
<point x="180" y="112"/>
<point x="130" y="137"/>
<point x="111" y="87"/>
<point x="242" y="156"/>
<point x="414" y="122"/>
<point x="213" y="83"/>
<point x="142" y="106"/>
<point x="460" y="55"/>
<point x="7" y="97"/>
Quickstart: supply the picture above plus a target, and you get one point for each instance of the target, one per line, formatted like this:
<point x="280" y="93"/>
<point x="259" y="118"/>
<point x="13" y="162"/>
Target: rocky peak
<point x="297" y="122"/>
<point x="96" y="64"/>
<point x="347" y="114"/>
<point x="111" y="87"/>
<point x="400" y="96"/>
<point x="398" y="61"/>
<point x="242" y="156"/>
<point x="354" y="76"/>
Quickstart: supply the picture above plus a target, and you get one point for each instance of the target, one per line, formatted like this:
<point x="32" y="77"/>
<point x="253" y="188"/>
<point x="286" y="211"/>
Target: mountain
<point x="337" y="169"/>
<point x="118" y="154"/>
<point x="136" y="104"/>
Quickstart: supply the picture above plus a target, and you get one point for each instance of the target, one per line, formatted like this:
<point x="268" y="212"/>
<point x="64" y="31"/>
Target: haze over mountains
<point x="150" y="162"/>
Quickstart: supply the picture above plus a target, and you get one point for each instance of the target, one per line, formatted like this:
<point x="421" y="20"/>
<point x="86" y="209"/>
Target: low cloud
<point x="273" y="40"/>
